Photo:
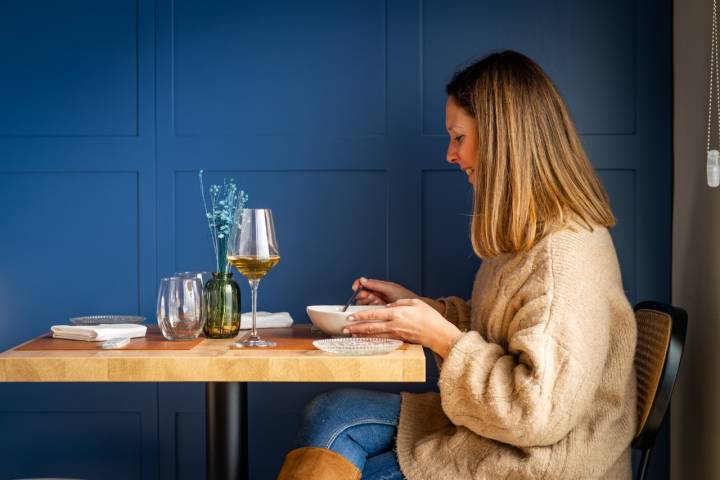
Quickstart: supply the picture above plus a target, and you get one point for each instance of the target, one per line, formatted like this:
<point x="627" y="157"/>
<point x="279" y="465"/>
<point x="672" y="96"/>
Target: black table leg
<point x="226" y="430"/>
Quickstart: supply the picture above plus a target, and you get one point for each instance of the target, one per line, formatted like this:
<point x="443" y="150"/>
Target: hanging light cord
<point x="713" y="156"/>
<point x="714" y="76"/>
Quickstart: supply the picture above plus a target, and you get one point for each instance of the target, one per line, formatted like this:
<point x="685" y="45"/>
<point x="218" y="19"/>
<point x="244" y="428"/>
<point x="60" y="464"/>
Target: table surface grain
<point x="214" y="361"/>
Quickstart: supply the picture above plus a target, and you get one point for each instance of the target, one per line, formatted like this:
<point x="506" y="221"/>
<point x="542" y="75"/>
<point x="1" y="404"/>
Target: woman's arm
<point x="411" y="320"/>
<point x="533" y="390"/>
<point x="378" y="292"/>
<point x="436" y="304"/>
<point x="454" y="309"/>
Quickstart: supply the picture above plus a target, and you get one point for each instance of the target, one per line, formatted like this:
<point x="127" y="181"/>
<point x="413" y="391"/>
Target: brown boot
<point x="313" y="463"/>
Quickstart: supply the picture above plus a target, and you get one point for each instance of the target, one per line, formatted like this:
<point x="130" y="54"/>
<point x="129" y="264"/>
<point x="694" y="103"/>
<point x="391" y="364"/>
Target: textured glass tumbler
<point x="180" y="308"/>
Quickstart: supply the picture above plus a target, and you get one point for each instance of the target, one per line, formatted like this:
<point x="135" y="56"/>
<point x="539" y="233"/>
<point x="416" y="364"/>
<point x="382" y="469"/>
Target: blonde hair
<point x="532" y="176"/>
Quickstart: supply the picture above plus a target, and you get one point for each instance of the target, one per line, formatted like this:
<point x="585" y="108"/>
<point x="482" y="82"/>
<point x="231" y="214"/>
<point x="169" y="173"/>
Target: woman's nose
<point x="451" y="155"/>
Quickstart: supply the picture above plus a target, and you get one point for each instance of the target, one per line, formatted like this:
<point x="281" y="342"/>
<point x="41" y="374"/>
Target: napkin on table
<point x="98" y="333"/>
<point x="266" y="320"/>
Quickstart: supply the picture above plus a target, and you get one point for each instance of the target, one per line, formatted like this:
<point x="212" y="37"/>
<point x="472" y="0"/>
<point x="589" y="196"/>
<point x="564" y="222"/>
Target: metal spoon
<point x="351" y="299"/>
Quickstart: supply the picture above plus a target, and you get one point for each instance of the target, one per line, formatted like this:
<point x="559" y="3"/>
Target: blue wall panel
<point x="62" y="238"/>
<point x="56" y="55"/>
<point x="588" y="48"/>
<point x="234" y="70"/>
<point x="449" y="263"/>
<point x="88" y="431"/>
<point x="189" y="445"/>
<point x="620" y="185"/>
<point x="331" y="114"/>
<point x="64" y="445"/>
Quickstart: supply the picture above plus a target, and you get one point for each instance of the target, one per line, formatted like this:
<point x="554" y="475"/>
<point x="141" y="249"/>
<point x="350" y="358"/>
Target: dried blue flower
<point x="225" y="206"/>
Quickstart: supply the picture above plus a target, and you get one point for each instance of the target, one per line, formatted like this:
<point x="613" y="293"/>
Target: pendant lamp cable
<point x="713" y="156"/>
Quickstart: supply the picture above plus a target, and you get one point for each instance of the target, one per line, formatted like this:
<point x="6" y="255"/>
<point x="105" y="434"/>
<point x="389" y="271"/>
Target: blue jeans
<point x="358" y="424"/>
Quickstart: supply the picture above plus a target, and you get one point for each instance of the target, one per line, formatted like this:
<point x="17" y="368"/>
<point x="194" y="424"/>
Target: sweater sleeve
<point x="457" y="310"/>
<point x="536" y="388"/>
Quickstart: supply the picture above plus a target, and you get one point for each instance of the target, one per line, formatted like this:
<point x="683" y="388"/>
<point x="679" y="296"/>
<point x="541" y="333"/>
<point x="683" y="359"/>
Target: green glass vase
<point x="222" y="306"/>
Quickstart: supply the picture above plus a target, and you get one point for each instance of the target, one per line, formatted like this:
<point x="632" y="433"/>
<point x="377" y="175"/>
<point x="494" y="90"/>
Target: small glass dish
<point x="106" y="319"/>
<point x="357" y="345"/>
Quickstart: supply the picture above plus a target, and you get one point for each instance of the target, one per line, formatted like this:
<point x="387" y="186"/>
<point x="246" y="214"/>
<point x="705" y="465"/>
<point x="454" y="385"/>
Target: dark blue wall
<point x="331" y="114"/>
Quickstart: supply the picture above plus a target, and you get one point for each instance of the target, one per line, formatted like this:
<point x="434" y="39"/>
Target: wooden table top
<point x="213" y="361"/>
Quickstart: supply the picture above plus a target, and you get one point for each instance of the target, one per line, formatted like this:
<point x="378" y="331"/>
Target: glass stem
<point x="254" y="289"/>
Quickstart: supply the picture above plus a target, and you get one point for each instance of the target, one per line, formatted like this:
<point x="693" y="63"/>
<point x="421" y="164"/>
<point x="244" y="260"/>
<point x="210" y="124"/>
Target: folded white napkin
<point x="266" y="320"/>
<point x="98" y="333"/>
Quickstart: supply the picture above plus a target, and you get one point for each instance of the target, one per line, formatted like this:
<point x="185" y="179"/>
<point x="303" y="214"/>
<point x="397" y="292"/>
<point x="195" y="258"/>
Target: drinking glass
<point x="203" y="276"/>
<point x="180" y="309"/>
<point x="253" y="251"/>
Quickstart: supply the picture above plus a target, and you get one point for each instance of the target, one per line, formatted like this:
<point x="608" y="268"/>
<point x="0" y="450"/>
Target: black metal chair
<point x="661" y="331"/>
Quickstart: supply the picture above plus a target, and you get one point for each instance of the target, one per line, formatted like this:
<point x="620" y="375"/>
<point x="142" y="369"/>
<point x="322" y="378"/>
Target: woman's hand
<point x="411" y="320"/>
<point x="379" y="292"/>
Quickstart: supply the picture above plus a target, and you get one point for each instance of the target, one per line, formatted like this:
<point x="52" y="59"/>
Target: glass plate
<point x="357" y="345"/>
<point x="105" y="319"/>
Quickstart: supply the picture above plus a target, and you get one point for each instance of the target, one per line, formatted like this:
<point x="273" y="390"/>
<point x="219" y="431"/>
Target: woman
<point x="537" y="377"/>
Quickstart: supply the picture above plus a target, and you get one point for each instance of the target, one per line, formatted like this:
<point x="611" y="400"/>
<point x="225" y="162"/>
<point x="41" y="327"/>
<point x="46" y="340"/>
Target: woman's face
<point x="463" y="146"/>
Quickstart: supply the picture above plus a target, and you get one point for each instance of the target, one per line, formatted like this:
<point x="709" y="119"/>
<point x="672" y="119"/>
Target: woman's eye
<point x="459" y="138"/>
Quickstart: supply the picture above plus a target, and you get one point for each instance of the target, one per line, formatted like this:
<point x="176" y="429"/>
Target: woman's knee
<point x="328" y="404"/>
<point x="350" y="403"/>
<point x="323" y="417"/>
<point x="332" y="412"/>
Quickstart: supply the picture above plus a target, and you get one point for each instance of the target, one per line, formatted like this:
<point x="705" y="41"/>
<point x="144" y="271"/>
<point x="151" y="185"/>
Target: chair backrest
<point x="661" y="331"/>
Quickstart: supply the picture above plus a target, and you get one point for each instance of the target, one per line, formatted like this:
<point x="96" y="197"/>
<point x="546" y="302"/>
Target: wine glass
<point x="253" y="251"/>
<point x="180" y="312"/>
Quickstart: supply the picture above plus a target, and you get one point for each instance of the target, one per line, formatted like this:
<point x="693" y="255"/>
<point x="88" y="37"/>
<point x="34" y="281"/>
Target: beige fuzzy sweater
<point x="542" y="384"/>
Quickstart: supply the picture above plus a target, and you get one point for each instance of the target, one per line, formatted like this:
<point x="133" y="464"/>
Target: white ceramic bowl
<point x="331" y="320"/>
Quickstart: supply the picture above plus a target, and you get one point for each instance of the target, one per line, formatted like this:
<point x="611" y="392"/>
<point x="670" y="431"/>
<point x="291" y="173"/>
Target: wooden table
<point x="225" y="371"/>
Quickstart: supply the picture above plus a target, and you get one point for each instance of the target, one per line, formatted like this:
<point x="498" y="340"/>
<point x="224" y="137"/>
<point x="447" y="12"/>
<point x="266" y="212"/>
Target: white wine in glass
<point x="253" y="251"/>
<point x="253" y="268"/>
